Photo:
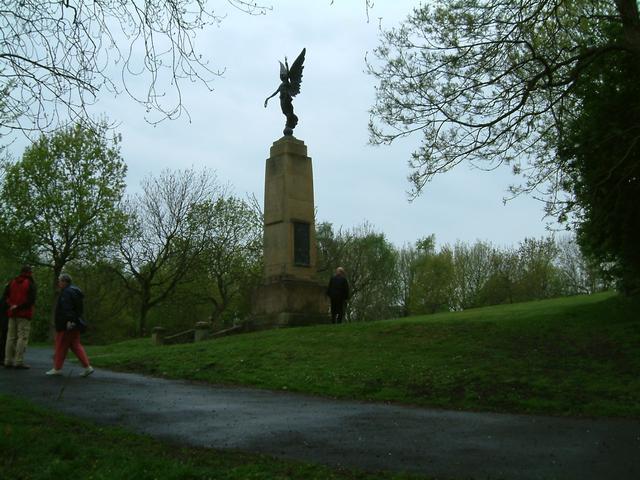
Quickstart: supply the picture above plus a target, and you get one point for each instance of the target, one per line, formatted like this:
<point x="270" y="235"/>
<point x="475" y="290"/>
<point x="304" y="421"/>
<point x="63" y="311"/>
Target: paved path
<point x="353" y="434"/>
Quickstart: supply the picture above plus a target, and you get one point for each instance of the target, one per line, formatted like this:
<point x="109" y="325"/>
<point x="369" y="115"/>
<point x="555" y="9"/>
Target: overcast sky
<point x="354" y="182"/>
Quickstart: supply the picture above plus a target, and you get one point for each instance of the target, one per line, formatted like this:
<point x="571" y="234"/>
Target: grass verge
<point x="577" y="356"/>
<point x="37" y="444"/>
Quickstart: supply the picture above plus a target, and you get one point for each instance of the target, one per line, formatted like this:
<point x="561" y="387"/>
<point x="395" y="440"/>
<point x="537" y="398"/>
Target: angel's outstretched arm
<point x="271" y="96"/>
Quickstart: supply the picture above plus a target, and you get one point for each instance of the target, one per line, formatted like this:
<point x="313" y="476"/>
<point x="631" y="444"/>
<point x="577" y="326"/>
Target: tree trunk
<point x="628" y="10"/>
<point x="142" y="321"/>
<point x="57" y="270"/>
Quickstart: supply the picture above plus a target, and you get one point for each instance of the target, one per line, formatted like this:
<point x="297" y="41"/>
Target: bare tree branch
<point x="57" y="56"/>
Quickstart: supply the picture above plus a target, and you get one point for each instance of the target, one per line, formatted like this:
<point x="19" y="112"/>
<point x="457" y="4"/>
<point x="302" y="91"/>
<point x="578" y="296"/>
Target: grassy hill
<point x="568" y="356"/>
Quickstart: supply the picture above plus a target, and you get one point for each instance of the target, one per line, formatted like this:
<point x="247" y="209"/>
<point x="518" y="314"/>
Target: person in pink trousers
<point x="69" y="324"/>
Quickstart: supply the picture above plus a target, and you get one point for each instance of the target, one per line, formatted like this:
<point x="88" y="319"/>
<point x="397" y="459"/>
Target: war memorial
<point x="290" y="294"/>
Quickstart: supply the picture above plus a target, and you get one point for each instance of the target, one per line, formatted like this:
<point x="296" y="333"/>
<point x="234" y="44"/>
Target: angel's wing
<point x="295" y="74"/>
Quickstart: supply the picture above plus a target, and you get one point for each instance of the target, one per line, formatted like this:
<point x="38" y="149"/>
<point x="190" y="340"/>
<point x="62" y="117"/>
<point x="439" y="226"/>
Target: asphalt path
<point x="370" y="436"/>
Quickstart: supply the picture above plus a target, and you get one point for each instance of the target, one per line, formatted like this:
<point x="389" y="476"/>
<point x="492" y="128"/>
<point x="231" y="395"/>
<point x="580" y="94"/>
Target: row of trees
<point x="184" y="248"/>
<point x="416" y="279"/>
<point x="63" y="206"/>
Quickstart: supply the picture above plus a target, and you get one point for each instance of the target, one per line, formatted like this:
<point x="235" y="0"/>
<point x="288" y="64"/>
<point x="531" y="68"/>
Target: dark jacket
<point x="21" y="292"/>
<point x="69" y="308"/>
<point x="338" y="289"/>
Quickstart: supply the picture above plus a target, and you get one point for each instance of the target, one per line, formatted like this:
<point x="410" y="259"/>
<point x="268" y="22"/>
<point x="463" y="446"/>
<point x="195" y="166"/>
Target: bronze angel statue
<point x="291" y="79"/>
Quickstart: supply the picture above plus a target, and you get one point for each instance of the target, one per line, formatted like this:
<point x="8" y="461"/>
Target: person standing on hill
<point x="338" y="292"/>
<point x="68" y="322"/>
<point x="20" y="295"/>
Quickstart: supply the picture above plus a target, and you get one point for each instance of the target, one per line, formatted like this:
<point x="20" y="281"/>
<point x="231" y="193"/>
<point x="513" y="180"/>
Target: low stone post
<point x="157" y="335"/>
<point x="201" y="331"/>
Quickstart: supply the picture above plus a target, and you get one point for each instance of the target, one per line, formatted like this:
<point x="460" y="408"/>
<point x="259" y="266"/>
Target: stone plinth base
<point x="288" y="302"/>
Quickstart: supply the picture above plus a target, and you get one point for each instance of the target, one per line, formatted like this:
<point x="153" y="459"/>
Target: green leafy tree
<point x="408" y="257"/>
<point x="471" y="270"/>
<point x="60" y="202"/>
<point x="528" y="272"/>
<point x="534" y="84"/>
<point x="504" y="275"/>
<point x="370" y="262"/>
<point x="539" y="277"/>
<point x="433" y="281"/>
<point x="231" y="261"/>
<point x="332" y="248"/>
<point x="600" y="143"/>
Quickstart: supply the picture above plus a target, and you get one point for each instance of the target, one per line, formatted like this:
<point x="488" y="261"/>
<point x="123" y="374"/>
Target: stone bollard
<point x="157" y="335"/>
<point x="201" y="331"/>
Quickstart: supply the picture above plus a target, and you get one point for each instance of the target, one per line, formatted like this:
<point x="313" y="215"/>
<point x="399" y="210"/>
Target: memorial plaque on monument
<point x="301" y="244"/>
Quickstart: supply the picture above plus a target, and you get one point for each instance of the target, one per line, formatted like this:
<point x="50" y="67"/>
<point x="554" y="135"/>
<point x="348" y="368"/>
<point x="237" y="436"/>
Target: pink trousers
<point x="65" y="341"/>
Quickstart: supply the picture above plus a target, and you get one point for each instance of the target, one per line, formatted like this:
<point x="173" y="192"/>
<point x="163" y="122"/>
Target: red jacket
<point x="21" y="292"/>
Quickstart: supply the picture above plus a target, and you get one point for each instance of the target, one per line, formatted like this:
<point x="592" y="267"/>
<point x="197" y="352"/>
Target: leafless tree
<point x="165" y="237"/>
<point x="56" y="56"/>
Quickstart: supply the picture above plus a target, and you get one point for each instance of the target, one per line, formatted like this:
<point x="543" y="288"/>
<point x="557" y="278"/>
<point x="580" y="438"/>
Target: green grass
<point x="37" y="444"/>
<point x="576" y="356"/>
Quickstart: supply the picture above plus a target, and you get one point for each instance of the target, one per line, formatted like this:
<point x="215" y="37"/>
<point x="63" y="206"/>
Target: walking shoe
<point x="22" y="366"/>
<point x="87" y="371"/>
<point x="54" y="371"/>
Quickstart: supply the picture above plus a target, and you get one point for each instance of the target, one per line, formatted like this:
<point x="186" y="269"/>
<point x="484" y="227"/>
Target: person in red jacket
<point x="21" y="298"/>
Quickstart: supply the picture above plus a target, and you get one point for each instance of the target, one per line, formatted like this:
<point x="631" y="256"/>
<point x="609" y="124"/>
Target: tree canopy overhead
<point x="547" y="87"/>
<point x="490" y="82"/>
<point x="57" y="55"/>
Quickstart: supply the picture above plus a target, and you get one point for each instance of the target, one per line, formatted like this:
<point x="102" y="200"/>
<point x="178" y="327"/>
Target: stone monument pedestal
<point x="290" y="294"/>
<point x="289" y="302"/>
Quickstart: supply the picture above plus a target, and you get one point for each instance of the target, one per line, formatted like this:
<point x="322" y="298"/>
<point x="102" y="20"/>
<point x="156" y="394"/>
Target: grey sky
<point x="231" y="132"/>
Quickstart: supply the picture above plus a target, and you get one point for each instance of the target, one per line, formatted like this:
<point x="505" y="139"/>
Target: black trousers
<point x="337" y="310"/>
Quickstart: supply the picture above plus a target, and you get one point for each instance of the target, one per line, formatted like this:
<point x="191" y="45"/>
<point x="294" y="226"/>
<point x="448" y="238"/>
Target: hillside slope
<point x="569" y="356"/>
